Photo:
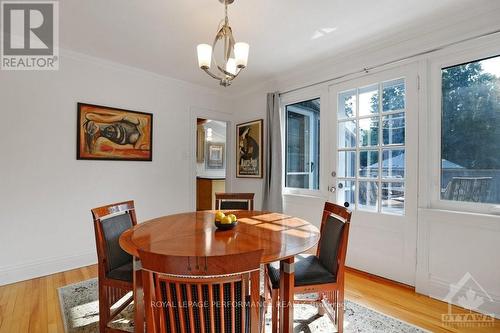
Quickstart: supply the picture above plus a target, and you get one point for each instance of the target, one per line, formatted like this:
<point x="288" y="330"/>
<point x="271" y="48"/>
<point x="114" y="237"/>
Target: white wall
<point x="250" y="108"/>
<point x="46" y="194"/>
<point x="450" y="244"/>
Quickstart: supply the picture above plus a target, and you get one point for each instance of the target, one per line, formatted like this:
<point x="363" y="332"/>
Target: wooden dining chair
<point x="115" y="266"/>
<point x="202" y="294"/>
<point x="322" y="273"/>
<point x="242" y="201"/>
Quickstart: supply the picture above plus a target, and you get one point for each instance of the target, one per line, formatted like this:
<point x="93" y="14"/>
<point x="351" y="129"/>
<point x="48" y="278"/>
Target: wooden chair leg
<point x="319" y="302"/>
<point x="274" y="310"/>
<point x="104" y="308"/>
<point x="340" y="310"/>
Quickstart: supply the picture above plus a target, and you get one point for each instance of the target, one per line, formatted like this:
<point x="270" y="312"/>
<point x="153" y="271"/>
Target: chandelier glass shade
<point x="235" y="54"/>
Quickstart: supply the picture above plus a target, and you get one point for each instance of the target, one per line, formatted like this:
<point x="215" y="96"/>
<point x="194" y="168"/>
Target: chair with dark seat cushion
<point x="220" y="294"/>
<point x="322" y="273"/>
<point x="236" y="201"/>
<point x="115" y="266"/>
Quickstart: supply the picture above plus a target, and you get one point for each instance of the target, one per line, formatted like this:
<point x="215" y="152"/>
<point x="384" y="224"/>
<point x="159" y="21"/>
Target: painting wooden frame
<point x="249" y="138"/>
<point x="108" y="133"/>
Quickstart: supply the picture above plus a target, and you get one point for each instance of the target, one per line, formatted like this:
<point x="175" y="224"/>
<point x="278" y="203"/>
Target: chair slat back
<point x="214" y="298"/>
<point x="332" y="246"/>
<point x="242" y="201"/>
<point x="109" y="222"/>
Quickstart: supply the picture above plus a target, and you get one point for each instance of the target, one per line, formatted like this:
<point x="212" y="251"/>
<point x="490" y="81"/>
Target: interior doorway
<point x="211" y="161"/>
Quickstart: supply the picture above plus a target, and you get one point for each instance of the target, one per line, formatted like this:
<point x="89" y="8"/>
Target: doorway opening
<point x="211" y="156"/>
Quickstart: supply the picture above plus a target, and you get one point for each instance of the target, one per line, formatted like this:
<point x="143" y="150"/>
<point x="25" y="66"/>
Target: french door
<point x="374" y="168"/>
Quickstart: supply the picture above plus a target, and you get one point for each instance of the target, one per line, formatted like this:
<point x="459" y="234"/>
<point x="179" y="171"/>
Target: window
<point x="371" y="161"/>
<point x="470" y="132"/>
<point x="302" y="145"/>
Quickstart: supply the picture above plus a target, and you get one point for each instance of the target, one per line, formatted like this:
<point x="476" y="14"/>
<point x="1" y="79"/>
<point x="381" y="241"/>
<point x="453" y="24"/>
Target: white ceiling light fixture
<point x="235" y="54"/>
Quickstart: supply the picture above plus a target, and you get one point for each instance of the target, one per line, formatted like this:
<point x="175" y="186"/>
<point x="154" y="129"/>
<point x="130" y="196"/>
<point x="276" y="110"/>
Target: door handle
<point x="332" y="189"/>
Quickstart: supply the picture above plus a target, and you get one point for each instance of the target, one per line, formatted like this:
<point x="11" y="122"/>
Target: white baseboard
<point x="34" y="269"/>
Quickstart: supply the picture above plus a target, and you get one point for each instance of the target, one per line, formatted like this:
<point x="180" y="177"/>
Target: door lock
<point x="332" y="189"/>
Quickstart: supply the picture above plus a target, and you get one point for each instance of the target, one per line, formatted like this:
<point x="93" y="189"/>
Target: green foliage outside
<point x="471" y="117"/>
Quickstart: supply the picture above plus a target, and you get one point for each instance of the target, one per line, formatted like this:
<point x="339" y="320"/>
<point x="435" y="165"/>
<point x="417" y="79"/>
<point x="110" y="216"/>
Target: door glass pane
<point x="393" y="95"/>
<point x="393" y="163"/>
<point x="368" y="196"/>
<point x="470" y="132"/>
<point x="347" y="164"/>
<point x="302" y="144"/>
<point x="346" y="191"/>
<point x="368" y="163"/>
<point x="347" y="134"/>
<point x="368" y="132"/>
<point x="368" y="100"/>
<point x="393" y="129"/>
<point x="371" y="159"/>
<point x="347" y="105"/>
<point x="393" y="198"/>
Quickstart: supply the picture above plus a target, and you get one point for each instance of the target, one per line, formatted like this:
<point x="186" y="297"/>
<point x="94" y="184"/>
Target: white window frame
<point x="476" y="51"/>
<point x="297" y="97"/>
<point x="312" y="130"/>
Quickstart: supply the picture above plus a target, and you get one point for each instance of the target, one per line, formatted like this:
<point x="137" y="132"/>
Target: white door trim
<point x="198" y="112"/>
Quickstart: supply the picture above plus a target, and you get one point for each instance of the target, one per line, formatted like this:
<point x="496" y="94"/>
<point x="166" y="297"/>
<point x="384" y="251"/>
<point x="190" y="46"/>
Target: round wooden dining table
<point x="280" y="236"/>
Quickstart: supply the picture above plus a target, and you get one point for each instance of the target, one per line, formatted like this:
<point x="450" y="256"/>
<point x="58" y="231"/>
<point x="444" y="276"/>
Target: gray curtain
<point x="272" y="192"/>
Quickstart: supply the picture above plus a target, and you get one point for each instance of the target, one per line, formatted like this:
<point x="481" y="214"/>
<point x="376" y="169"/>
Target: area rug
<point x="80" y="309"/>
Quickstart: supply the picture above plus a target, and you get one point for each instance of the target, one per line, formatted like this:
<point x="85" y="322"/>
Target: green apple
<point x="226" y="220"/>
<point x="219" y="216"/>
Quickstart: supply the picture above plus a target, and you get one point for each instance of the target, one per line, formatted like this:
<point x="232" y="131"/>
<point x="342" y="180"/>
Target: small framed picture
<point x="215" y="156"/>
<point x="249" y="150"/>
<point x="106" y="133"/>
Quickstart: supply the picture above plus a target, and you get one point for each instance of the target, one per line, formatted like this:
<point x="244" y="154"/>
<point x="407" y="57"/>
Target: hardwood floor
<point x="33" y="305"/>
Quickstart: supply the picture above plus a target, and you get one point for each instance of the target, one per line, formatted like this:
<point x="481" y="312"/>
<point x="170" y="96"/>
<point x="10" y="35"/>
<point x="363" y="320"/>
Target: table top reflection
<point x="194" y="234"/>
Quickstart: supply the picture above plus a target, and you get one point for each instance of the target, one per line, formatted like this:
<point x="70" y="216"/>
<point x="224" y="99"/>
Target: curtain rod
<point x="370" y="68"/>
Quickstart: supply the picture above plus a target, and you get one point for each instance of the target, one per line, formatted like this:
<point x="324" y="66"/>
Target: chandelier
<point x="235" y="54"/>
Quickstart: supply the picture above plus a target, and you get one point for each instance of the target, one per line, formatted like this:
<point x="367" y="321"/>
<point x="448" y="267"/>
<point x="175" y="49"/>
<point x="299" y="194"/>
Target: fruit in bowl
<point x="225" y="222"/>
<point x="219" y="216"/>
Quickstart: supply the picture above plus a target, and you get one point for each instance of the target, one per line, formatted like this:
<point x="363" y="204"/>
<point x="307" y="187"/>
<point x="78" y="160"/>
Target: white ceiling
<point x="161" y="35"/>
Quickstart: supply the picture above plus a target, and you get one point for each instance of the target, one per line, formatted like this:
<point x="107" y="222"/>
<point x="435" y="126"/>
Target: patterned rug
<point x="80" y="308"/>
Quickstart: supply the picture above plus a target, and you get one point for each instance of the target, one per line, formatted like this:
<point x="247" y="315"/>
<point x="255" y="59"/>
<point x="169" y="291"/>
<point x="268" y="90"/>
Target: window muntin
<point x="371" y="140"/>
<point x="302" y="126"/>
<point x="470" y="132"/>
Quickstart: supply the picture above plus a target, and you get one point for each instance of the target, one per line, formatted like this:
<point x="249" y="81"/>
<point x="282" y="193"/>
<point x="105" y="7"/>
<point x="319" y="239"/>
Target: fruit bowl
<point x="225" y="226"/>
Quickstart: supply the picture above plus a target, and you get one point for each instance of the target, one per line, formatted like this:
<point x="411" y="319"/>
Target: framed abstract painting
<point x="249" y="150"/>
<point x="106" y="133"/>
